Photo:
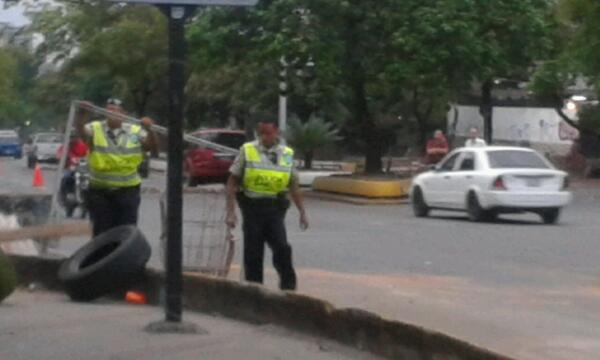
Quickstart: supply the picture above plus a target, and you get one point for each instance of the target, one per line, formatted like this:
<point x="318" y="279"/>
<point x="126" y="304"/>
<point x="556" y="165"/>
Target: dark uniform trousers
<point x="110" y="208"/>
<point x="264" y="223"/>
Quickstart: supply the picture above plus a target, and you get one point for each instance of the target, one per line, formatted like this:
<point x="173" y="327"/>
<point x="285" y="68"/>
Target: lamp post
<point x="283" y="88"/>
<point x="284" y="84"/>
<point x="177" y="11"/>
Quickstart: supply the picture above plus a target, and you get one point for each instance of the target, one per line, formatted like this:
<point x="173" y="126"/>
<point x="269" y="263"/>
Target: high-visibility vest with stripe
<point x="115" y="165"/>
<point x="262" y="178"/>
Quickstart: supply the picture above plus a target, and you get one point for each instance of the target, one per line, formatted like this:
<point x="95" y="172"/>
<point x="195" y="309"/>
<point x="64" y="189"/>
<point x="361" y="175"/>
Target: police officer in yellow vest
<point x="116" y="151"/>
<point x="261" y="177"/>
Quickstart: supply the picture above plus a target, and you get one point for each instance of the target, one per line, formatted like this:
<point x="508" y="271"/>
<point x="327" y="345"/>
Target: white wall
<point x="515" y="124"/>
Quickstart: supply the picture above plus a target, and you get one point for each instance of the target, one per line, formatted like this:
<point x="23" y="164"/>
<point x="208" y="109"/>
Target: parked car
<point x="44" y="148"/>
<point x="10" y="144"/>
<point x="492" y="180"/>
<point x="203" y="165"/>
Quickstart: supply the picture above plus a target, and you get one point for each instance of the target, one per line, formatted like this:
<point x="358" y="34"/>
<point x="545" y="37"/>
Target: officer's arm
<point x="297" y="196"/>
<point x="150" y="142"/>
<point x="233" y="186"/>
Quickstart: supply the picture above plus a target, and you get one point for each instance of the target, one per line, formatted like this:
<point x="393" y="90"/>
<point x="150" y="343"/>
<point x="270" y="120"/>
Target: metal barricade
<point x="208" y="244"/>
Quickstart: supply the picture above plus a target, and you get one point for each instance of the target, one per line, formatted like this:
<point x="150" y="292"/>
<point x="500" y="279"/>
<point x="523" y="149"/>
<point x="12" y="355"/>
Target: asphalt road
<point x="484" y="281"/>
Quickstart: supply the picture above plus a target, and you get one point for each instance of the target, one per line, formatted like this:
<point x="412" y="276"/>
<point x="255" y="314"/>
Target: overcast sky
<point x="13" y="15"/>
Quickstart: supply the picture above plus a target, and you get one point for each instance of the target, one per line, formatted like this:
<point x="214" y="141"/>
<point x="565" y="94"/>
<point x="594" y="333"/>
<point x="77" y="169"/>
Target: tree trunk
<point x="374" y="153"/>
<point x="485" y="109"/>
<point x="422" y="119"/>
<point x="308" y="159"/>
<point x="370" y="133"/>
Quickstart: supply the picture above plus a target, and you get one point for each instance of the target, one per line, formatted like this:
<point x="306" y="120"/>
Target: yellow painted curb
<point x="363" y="187"/>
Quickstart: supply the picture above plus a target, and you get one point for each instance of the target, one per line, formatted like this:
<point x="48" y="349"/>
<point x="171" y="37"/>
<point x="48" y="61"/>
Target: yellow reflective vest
<point x="262" y="178"/>
<point x="115" y="164"/>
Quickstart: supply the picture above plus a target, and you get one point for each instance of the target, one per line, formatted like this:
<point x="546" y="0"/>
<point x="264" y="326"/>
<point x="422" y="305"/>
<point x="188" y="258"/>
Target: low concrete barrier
<point x="19" y="210"/>
<point x="362" y="329"/>
<point x="370" y="188"/>
<point x="30" y="209"/>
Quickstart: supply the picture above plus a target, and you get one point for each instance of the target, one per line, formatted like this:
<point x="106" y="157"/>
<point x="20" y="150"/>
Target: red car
<point x="203" y="165"/>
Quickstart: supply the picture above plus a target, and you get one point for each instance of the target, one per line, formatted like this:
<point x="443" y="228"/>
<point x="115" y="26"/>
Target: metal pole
<point x="163" y="130"/>
<point x="282" y="112"/>
<point x="61" y="164"/>
<point x="283" y="88"/>
<point x="173" y="305"/>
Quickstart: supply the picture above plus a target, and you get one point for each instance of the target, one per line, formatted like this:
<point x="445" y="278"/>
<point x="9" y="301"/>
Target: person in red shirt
<point x="77" y="149"/>
<point x="437" y="148"/>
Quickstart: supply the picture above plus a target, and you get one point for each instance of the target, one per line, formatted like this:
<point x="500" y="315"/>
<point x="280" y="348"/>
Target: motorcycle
<point x="74" y="188"/>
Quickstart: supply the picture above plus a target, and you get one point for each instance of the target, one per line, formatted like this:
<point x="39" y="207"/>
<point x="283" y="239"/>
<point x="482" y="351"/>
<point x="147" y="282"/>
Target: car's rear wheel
<point x="420" y="208"/>
<point x="476" y="212"/>
<point x="550" y="216"/>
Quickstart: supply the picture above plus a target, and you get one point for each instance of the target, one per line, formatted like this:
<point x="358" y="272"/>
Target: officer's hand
<point x="231" y="219"/>
<point x="147" y="122"/>
<point x="85" y="105"/>
<point x="303" y="221"/>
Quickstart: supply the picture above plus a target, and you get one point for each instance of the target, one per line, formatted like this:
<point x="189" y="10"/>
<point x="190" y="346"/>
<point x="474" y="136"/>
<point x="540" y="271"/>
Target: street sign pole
<point x="173" y="305"/>
<point x="177" y="11"/>
<point x="176" y="15"/>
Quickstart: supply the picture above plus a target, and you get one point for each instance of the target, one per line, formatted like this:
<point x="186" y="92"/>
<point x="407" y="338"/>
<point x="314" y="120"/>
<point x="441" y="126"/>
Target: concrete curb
<point x="359" y="328"/>
<point x="354" y="200"/>
<point x="368" y="188"/>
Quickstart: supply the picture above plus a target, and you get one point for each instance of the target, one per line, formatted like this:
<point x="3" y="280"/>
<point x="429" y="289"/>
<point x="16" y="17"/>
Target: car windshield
<point x="231" y="140"/>
<point x="9" y="140"/>
<point x="50" y="138"/>
<point x="503" y="159"/>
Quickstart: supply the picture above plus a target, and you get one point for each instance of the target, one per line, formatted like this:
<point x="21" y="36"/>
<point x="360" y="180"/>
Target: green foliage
<point x="581" y="18"/>
<point x="121" y="51"/>
<point x="589" y="119"/>
<point x="374" y="60"/>
<point x="308" y="137"/>
<point x="8" y="85"/>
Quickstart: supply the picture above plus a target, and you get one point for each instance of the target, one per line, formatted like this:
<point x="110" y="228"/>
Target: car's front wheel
<point x="550" y="216"/>
<point x="420" y="208"/>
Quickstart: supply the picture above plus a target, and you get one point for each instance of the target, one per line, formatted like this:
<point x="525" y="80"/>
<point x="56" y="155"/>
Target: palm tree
<point x="307" y="137"/>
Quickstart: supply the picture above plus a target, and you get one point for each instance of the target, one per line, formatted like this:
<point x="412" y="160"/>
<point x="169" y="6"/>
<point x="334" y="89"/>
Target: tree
<point x="308" y="137"/>
<point x="17" y="72"/>
<point x="511" y="34"/>
<point x="576" y="55"/>
<point x="8" y="84"/>
<point x="107" y="43"/>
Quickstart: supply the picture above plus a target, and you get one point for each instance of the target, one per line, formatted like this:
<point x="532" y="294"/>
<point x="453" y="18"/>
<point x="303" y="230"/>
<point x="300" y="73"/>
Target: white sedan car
<point x="487" y="181"/>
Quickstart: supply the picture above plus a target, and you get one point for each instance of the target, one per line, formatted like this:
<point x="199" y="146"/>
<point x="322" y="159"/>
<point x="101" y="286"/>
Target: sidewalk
<point x="43" y="325"/>
<point x="511" y="321"/>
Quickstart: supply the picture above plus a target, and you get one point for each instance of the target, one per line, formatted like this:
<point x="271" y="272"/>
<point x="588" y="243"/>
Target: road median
<point x="361" y="329"/>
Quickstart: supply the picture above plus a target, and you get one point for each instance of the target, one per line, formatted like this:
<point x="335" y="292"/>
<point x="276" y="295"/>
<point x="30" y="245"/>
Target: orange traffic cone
<point x="136" y="297"/>
<point x="38" y="178"/>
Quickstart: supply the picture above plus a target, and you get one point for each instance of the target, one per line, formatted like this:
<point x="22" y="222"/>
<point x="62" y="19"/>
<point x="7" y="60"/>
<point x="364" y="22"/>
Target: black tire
<point x="420" y="208"/>
<point x="550" y="216"/>
<point x="111" y="262"/>
<point x="476" y="212"/>
<point x="8" y="277"/>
